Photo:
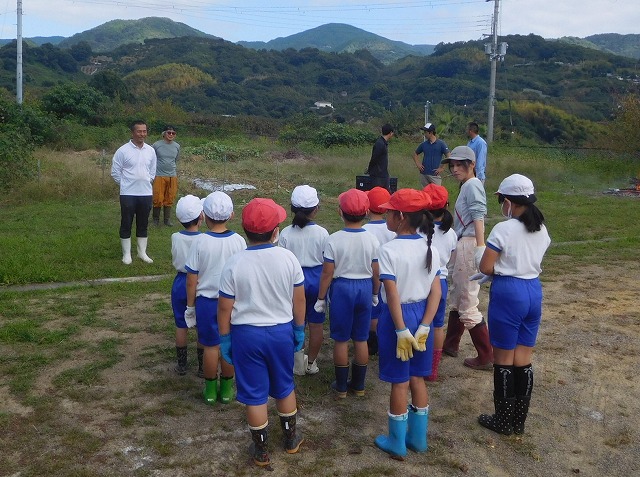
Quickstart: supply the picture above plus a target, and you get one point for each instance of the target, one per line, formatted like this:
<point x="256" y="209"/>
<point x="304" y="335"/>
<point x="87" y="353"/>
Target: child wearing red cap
<point x="445" y="241"/>
<point x="207" y="256"/>
<point x="377" y="225"/>
<point x="306" y="240"/>
<point x="260" y="287"/>
<point x="409" y="266"/>
<point x="349" y="280"/>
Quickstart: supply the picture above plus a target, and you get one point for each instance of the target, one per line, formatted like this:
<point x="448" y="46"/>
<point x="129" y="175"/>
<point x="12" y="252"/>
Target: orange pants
<point x="165" y="189"/>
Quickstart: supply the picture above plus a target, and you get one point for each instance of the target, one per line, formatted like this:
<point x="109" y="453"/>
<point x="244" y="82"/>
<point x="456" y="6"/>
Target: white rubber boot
<point x="142" y="250"/>
<point x="126" y="251"/>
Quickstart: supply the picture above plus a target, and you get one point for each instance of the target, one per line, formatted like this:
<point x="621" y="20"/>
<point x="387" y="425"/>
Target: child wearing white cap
<point x="189" y="213"/>
<point x="306" y="240"/>
<point x="512" y="260"/>
<point x="208" y="255"/>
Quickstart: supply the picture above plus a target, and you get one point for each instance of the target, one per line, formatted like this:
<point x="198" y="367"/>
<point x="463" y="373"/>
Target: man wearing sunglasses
<point x="165" y="185"/>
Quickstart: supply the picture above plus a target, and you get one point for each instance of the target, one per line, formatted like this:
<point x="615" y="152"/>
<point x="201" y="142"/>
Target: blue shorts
<point x="179" y="299"/>
<point x="438" y="320"/>
<point x="515" y="311"/>
<point x="350" y="309"/>
<point x="311" y="287"/>
<point x="263" y="361"/>
<point x="207" y="321"/>
<point x="393" y="370"/>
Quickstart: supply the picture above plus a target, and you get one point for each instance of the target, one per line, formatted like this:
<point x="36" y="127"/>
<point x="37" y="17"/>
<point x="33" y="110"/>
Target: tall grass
<point x="63" y="225"/>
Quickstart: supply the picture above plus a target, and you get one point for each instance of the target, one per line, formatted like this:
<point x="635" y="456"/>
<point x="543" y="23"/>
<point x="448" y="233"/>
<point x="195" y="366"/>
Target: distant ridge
<point x="623" y="45"/>
<point x="343" y="38"/>
<point x="115" y="33"/>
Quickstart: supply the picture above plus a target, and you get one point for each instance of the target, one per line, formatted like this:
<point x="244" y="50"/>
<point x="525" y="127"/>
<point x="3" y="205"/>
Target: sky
<point x="413" y="22"/>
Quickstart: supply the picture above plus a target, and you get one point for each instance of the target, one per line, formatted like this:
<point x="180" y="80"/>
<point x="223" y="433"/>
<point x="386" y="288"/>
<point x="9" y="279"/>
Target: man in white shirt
<point x="134" y="168"/>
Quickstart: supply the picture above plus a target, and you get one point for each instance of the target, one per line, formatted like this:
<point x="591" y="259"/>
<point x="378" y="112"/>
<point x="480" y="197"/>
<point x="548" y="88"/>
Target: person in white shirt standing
<point x="134" y="168"/>
<point x="512" y="259"/>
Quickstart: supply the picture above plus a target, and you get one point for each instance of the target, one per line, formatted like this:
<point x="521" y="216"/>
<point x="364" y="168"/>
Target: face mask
<point x="508" y="214"/>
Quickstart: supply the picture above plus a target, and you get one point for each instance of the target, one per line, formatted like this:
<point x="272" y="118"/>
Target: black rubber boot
<point x="502" y="421"/>
<point x="372" y="343"/>
<point x="258" y="448"/>
<point x="156" y="215"/>
<point x="167" y="217"/>
<point x="181" y="360"/>
<point x="292" y="438"/>
<point x="200" y="352"/>
<point x="455" y="329"/>
<point x="503" y="400"/>
<point x="358" y="376"/>
<point x="523" y="376"/>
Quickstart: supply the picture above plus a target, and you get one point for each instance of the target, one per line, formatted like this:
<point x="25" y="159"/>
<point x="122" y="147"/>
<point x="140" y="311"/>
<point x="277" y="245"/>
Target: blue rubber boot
<point x="394" y="443"/>
<point x="418" y="423"/>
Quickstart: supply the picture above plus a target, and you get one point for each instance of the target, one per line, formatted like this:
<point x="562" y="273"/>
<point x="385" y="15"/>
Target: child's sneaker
<point x="312" y="367"/>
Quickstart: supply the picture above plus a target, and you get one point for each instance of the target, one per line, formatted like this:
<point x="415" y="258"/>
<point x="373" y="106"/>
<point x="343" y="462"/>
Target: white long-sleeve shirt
<point x="134" y="169"/>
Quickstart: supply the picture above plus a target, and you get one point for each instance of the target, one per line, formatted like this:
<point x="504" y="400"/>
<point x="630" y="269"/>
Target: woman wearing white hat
<point x="513" y="257"/>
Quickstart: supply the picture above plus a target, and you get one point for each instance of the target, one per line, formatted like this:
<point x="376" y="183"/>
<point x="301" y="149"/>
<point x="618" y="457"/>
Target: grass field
<point x="80" y="363"/>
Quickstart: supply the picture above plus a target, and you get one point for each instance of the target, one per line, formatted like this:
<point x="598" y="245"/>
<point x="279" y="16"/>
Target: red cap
<point x="377" y="196"/>
<point x="262" y="215"/>
<point x="439" y="196"/>
<point x="408" y="200"/>
<point x="354" y="202"/>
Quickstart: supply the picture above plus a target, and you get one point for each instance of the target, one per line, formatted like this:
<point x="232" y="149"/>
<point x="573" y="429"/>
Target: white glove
<point x="477" y="256"/>
<point x="374" y="300"/>
<point x="405" y="345"/>
<point x="190" y="316"/>
<point x="320" y="306"/>
<point x="481" y="277"/>
<point x="421" y="335"/>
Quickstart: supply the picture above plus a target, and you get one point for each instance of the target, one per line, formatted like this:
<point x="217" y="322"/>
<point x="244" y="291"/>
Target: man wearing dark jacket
<point x="378" y="168"/>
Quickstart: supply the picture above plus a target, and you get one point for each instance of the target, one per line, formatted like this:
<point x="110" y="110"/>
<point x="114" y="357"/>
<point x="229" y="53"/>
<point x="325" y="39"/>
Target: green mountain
<point x="342" y="38"/>
<point x="115" y="33"/>
<point x="615" y="43"/>
<point x="36" y="40"/>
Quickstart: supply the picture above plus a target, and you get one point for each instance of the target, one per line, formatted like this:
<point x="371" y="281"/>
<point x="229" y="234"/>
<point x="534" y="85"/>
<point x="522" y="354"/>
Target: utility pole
<point x="426" y="112"/>
<point x="495" y="54"/>
<point x="19" y="55"/>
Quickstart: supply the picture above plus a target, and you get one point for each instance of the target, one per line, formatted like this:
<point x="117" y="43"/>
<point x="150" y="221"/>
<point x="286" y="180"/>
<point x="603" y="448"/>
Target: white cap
<point x="516" y="185"/>
<point x="304" y="196"/>
<point x="218" y="206"/>
<point x="188" y="208"/>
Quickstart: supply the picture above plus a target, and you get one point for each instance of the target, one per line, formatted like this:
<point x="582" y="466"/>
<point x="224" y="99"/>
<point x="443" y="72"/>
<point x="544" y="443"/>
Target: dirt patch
<point x="583" y="417"/>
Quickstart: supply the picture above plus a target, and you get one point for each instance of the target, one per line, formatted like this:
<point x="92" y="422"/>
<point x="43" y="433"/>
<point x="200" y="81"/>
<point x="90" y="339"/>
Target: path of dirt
<point x="584" y="417"/>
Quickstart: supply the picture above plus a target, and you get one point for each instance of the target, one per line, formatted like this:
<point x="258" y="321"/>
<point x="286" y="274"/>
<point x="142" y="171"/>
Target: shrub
<point x="342" y="135"/>
<point x="16" y="156"/>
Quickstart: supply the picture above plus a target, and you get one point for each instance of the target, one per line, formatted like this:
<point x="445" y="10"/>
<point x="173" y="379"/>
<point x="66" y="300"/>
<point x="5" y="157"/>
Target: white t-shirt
<point x="352" y="251"/>
<point x="134" y="168"/>
<point x="208" y="254"/>
<point x="380" y="230"/>
<point x="306" y="243"/>
<point x="520" y="251"/>
<point x="180" y="247"/>
<point x="261" y="280"/>
<point x="445" y="243"/>
<point x="404" y="260"/>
